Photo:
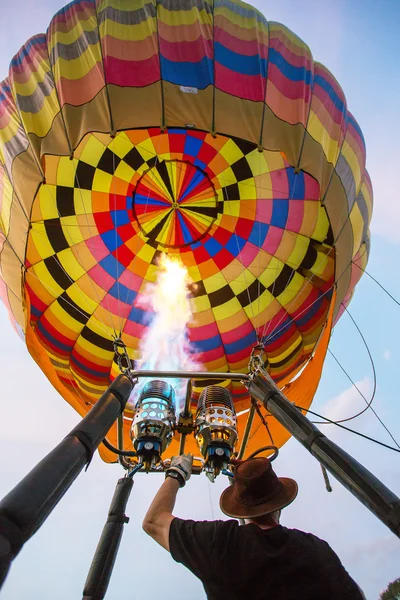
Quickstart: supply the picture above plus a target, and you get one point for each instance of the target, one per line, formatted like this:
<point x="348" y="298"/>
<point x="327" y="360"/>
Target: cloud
<point x="348" y="402"/>
<point x="386" y="355"/>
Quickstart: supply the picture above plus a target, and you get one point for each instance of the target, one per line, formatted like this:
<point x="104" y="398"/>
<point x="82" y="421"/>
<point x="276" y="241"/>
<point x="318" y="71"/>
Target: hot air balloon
<point x="200" y="131"/>
<point x="197" y="130"/>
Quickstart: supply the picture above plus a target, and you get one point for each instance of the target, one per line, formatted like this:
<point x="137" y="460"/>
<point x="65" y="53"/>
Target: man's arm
<point x="158" y="518"/>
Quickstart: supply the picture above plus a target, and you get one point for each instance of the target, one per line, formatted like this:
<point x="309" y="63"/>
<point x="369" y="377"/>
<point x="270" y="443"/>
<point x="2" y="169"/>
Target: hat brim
<point x="231" y="507"/>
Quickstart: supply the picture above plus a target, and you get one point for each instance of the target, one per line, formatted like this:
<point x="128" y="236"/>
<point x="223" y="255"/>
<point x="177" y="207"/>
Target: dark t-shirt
<point x="248" y="563"/>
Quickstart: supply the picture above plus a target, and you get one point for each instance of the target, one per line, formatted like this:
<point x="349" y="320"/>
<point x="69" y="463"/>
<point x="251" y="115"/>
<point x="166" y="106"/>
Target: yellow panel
<point x="102" y="181"/>
<point x="48" y="202"/>
<point x="231" y="152"/>
<point x="271" y="273"/>
<point x="295" y="285"/>
<point x="299" y="251"/>
<point x="70" y="264"/>
<point x="82" y="202"/>
<point x="92" y="151"/>
<point x="146" y="253"/>
<point x="200" y="304"/>
<point x="42" y="273"/>
<point x="240" y="20"/>
<point x="183" y="17"/>
<point x="147" y="149"/>
<point x="124" y="171"/>
<point x="232" y="207"/>
<point x="66" y="171"/>
<point x="132" y="32"/>
<point x="247" y="190"/>
<point x="62" y="315"/>
<point x="322" y="225"/>
<point x="81" y="299"/>
<point x="227" y="309"/>
<point x="6" y="194"/>
<point x="320" y="263"/>
<point x="357" y="223"/>
<point x="318" y="131"/>
<point x="242" y="282"/>
<point x="257" y="163"/>
<point x="77" y="68"/>
<point x="41" y="241"/>
<point x="92" y="349"/>
<point x="214" y="283"/>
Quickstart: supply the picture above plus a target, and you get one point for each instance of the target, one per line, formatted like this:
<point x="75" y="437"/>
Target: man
<point x="258" y="561"/>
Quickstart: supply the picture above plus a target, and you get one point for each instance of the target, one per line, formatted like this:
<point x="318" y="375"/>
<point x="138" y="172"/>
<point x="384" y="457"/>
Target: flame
<point x="165" y="345"/>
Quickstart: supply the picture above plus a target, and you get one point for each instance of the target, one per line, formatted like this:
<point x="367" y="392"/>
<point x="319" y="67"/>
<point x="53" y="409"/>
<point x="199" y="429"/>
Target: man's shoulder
<point x="307" y="538"/>
<point x="214" y="524"/>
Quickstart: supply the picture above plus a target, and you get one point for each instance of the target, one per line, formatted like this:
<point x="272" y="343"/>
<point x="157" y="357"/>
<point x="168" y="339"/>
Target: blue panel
<point x="86" y="369"/>
<point x="212" y="247"/>
<point x="35" y="311"/>
<point x="122" y="293"/>
<point x="120" y="217"/>
<point x="283" y="326"/>
<point x="200" y="164"/>
<point x="288" y="70"/>
<point x="191" y="74"/>
<point x="319" y="80"/>
<point x="111" y="266"/>
<point x="240" y="344"/>
<point x="140" y="199"/>
<point x="187" y="236"/>
<point x="137" y="315"/>
<point x="313" y="309"/>
<point x="197" y="178"/>
<point x="24" y="52"/>
<point x="310" y="312"/>
<point x="356" y="127"/>
<point x="296" y="184"/>
<point x="210" y="344"/>
<point x="240" y="63"/>
<point x="176" y="131"/>
<point x="192" y="145"/>
<point x="258" y="234"/>
<point x="53" y="340"/>
<point x="111" y="239"/>
<point x="280" y="210"/>
<point x="4" y="89"/>
<point x="235" y="244"/>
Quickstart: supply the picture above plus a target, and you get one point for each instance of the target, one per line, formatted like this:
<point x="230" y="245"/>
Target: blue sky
<point x="359" y="41"/>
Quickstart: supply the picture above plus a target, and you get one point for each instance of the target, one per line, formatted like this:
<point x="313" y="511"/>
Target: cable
<point x="377" y="282"/>
<point x="117" y="451"/>
<point x="330" y="422"/>
<point x="366" y="345"/>
<point x="368" y="402"/>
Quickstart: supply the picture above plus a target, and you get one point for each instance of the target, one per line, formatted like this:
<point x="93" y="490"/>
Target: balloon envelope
<point x="196" y="129"/>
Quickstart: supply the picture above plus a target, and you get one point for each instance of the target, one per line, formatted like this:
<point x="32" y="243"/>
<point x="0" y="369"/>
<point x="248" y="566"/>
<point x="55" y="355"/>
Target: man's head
<point x="257" y="491"/>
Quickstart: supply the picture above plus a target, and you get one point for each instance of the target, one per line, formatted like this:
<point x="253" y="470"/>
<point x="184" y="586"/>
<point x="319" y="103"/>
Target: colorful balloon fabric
<point x="194" y="128"/>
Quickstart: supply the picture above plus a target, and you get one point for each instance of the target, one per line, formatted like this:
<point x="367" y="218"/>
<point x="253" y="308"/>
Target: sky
<point x="358" y="41"/>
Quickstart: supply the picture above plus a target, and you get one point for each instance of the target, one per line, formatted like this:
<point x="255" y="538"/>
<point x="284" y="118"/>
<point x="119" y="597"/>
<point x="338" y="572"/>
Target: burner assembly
<point x="214" y="426"/>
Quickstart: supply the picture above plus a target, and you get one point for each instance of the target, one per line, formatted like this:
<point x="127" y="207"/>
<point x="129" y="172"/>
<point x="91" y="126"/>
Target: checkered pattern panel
<point x="251" y="231"/>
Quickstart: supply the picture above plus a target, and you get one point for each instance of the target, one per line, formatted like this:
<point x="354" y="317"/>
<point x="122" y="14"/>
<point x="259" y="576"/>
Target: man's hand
<point x="180" y="468"/>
